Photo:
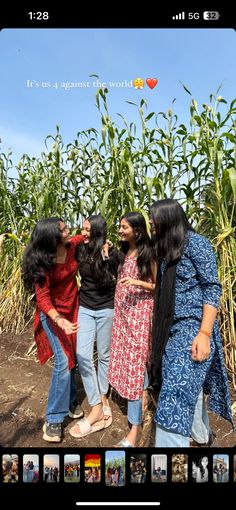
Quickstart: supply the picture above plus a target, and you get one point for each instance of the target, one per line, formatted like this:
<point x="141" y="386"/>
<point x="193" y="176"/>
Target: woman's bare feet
<point x="134" y="434"/>
<point x="99" y="413"/>
<point x="96" y="414"/>
<point x="106" y="407"/>
<point x="104" y="400"/>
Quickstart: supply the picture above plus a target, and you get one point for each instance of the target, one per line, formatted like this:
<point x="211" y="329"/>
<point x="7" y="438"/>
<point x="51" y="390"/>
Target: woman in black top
<point x="98" y="273"/>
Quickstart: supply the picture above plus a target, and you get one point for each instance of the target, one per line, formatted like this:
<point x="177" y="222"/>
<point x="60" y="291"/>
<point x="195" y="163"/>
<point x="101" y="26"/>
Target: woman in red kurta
<point x="49" y="270"/>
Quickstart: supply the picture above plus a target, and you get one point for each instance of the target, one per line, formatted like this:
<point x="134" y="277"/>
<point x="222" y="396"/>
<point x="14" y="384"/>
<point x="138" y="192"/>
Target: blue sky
<point x="200" y="58"/>
<point x="114" y="454"/>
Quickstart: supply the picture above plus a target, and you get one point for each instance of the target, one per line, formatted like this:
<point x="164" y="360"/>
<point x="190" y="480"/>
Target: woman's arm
<point x="203" y="259"/>
<point x="201" y="344"/>
<point x="77" y="239"/>
<point x="142" y="283"/>
<point x="43" y="298"/>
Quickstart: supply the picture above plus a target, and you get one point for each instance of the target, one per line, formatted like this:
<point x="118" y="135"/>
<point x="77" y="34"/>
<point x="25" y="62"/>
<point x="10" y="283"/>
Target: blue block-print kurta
<point x="182" y="378"/>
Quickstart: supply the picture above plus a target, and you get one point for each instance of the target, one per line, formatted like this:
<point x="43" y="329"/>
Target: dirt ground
<point x="23" y="397"/>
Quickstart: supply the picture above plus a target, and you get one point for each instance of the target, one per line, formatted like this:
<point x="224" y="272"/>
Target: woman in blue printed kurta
<point x="192" y="357"/>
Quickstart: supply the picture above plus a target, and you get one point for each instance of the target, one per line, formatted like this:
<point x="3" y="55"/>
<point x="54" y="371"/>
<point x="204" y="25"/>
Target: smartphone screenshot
<point x="117" y="253"/>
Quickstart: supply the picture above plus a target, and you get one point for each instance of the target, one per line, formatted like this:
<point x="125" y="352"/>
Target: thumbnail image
<point x="30" y="468"/>
<point x="159" y="468"/>
<point x="138" y="468"/>
<point x="51" y="468"/>
<point x="220" y="468"/>
<point x="92" y="468"/>
<point x="71" y="468"/>
<point x="10" y="468"/>
<point x="179" y="468"/>
<point x="115" y="468"/>
<point x="200" y="468"/>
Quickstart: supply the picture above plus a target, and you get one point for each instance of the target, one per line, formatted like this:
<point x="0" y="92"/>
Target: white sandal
<point x="107" y="411"/>
<point x="124" y="443"/>
<point x="83" y="428"/>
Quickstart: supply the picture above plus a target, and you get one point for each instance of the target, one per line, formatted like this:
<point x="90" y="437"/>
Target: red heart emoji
<point x="151" y="82"/>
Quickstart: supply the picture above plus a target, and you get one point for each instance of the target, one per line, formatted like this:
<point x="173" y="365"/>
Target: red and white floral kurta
<point x="131" y="334"/>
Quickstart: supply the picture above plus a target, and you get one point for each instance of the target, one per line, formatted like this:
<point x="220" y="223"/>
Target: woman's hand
<point x="68" y="326"/>
<point x="105" y="249"/>
<point x="201" y="347"/>
<point x="126" y="281"/>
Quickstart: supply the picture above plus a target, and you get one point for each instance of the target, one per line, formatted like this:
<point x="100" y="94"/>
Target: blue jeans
<point x="135" y="411"/>
<point x="201" y="426"/>
<point x="62" y="392"/>
<point x="200" y="429"/>
<point x="94" y="324"/>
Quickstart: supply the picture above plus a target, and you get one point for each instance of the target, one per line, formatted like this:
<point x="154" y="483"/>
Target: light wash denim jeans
<point x="94" y="324"/>
<point x="62" y="392"/>
<point x="200" y="429"/>
<point x="134" y="409"/>
<point x="201" y="426"/>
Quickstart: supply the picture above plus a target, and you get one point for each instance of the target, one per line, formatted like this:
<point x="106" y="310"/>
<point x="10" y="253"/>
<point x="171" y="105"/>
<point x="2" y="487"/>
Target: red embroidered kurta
<point x="59" y="291"/>
<point x="131" y="334"/>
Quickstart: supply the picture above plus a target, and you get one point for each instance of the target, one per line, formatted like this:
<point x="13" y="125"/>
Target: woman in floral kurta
<point x="131" y="334"/>
<point x="193" y="361"/>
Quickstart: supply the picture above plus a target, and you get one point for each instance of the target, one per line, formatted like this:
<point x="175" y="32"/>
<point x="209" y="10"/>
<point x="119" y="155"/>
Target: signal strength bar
<point x="181" y="15"/>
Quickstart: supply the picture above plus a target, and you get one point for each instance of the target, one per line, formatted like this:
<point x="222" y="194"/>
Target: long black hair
<point x="104" y="272"/>
<point x="137" y="221"/>
<point x="40" y="253"/>
<point x="171" y="226"/>
<point x="202" y="469"/>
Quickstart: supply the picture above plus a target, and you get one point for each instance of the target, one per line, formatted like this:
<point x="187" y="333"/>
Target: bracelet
<point x="205" y="332"/>
<point x="56" y="318"/>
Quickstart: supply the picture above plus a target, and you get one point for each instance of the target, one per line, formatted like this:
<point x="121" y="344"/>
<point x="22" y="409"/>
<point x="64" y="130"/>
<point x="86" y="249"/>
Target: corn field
<point x="124" y="168"/>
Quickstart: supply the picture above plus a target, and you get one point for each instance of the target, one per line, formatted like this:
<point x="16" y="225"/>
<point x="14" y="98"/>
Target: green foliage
<point x="116" y="170"/>
<point x="115" y="463"/>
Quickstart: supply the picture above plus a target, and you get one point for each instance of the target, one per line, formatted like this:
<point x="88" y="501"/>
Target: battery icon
<point x="211" y="15"/>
